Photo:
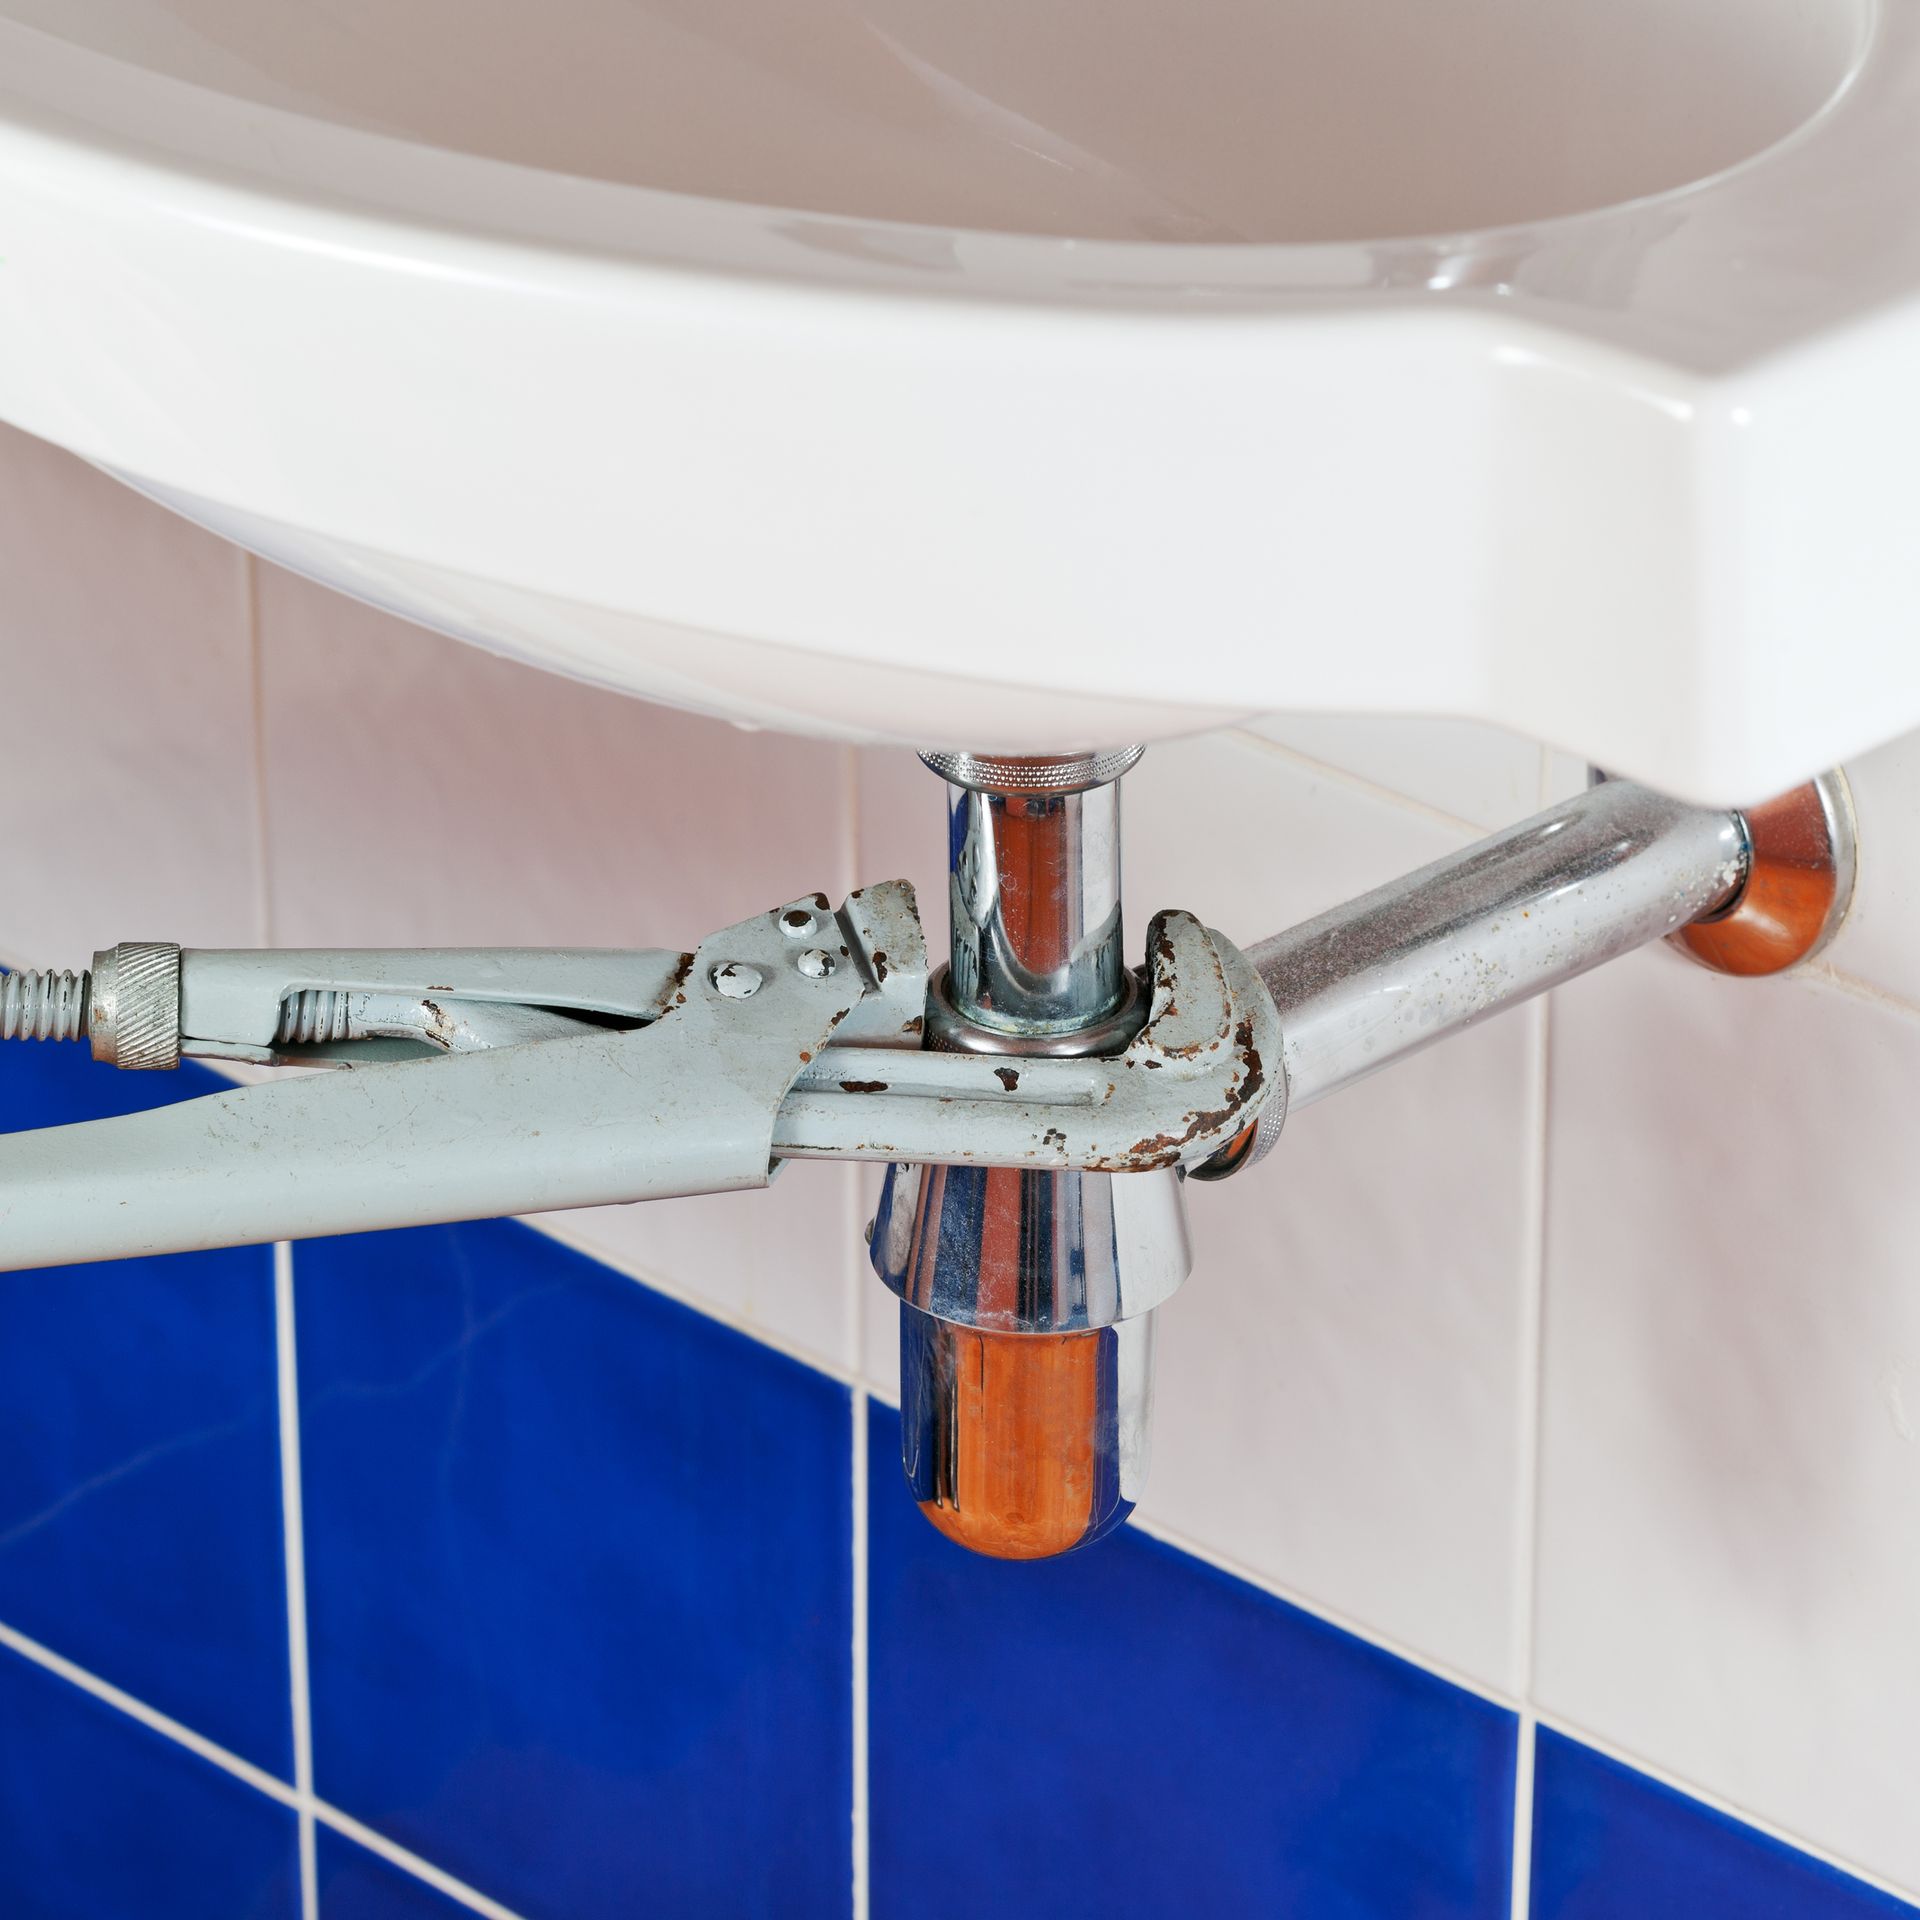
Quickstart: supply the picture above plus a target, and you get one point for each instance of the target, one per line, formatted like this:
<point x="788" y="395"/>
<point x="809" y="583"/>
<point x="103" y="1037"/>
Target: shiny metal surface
<point x="950" y="1031"/>
<point x="1024" y="1250"/>
<point x="1438" y="951"/>
<point x="1022" y="1446"/>
<point x="1034" y="880"/>
<point x="1203" y="1065"/>
<point x="506" y="1119"/>
<point x="290" y="1006"/>
<point x="1802" y="858"/>
<point x="1014" y="774"/>
<point x="1025" y="1398"/>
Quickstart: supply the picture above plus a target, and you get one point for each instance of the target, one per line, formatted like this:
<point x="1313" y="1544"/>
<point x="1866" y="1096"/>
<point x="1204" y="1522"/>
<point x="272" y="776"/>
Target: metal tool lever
<point x="794" y="1034"/>
<point x="684" y="1103"/>
<point x="1205" y="1065"/>
<point x="293" y="1007"/>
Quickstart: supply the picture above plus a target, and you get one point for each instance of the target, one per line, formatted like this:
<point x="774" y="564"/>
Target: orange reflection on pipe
<point x="1025" y="1416"/>
<point x="1034" y="860"/>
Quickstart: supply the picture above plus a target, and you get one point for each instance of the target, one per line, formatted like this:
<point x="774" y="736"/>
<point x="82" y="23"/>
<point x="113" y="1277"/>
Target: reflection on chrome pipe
<point x="1438" y="951"/>
<point x="1021" y="1250"/>
<point x="1026" y="1353"/>
<point x="1024" y="1445"/>
<point x="1034" y="881"/>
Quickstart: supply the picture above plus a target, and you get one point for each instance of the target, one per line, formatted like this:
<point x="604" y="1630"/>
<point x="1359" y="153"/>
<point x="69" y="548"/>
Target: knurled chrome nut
<point x="1035" y="776"/>
<point x="133" y="1009"/>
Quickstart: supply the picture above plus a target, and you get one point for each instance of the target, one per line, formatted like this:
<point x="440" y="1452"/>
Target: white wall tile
<point x="1729" y="1573"/>
<point x="420" y="792"/>
<point x="1340" y="1382"/>
<point x="126" y="719"/>
<point x="1253" y="842"/>
<point x="1476" y="773"/>
<point x="901" y="833"/>
<point x="1880" y="942"/>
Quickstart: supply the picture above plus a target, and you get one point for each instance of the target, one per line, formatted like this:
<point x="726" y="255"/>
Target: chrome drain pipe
<point x="1587" y="881"/>
<point x="1026" y="1338"/>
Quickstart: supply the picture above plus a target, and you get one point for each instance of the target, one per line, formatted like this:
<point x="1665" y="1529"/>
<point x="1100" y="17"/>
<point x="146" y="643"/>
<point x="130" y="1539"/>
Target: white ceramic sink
<point x="1028" y="373"/>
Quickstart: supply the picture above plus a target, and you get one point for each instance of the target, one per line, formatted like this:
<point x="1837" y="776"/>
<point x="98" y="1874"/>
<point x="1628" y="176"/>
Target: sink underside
<point x="1031" y="374"/>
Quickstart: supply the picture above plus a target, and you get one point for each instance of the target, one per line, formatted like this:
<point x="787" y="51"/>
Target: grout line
<point x="1526" y="1584"/>
<point x="1359" y="783"/>
<point x="1848" y="986"/>
<point x="1720" y="1803"/>
<point x="1532" y="1358"/>
<point x="148" y="1717"/>
<point x="262" y="838"/>
<point x="862" y="1805"/>
<point x="1330" y="1616"/>
<point x="409" y="1862"/>
<point x="850" y="816"/>
<point x="851" y="1312"/>
<point x="853" y="1265"/>
<point x="1521" y="1889"/>
<point x="294" y="1547"/>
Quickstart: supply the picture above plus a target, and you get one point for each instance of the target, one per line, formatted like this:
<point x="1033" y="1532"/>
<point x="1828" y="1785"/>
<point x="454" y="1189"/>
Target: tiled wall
<point x="1535" y="1514"/>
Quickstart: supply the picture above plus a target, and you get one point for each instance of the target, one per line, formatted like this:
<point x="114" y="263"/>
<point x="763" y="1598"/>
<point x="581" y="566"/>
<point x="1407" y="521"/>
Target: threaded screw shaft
<point x="44" y="1006"/>
<point x="314" y="1015"/>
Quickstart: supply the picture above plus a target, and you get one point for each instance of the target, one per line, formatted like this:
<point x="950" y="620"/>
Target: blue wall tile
<point x="1610" y="1844"/>
<point x="1127" y="1731"/>
<point x="357" y="1885"/>
<point x="102" y="1819"/>
<point x="579" y="1581"/>
<point x="140" y="1528"/>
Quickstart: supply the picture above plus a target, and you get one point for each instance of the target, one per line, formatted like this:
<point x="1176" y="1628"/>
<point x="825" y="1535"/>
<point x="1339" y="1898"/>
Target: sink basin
<point x="1028" y="374"/>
